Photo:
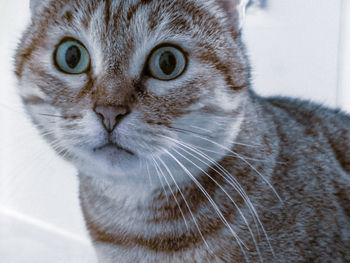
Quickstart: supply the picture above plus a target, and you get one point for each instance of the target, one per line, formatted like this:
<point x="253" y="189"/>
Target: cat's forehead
<point x="122" y="31"/>
<point x="120" y="20"/>
<point x="121" y="15"/>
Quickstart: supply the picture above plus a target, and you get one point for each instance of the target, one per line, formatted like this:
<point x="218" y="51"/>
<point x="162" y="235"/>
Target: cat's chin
<point x="113" y="151"/>
<point x="110" y="160"/>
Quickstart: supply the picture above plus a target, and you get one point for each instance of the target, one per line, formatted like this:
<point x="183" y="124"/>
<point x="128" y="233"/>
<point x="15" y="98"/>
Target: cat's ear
<point x="235" y="10"/>
<point x="37" y="5"/>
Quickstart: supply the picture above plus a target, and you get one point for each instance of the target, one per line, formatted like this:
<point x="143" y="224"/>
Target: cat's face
<point x="116" y="84"/>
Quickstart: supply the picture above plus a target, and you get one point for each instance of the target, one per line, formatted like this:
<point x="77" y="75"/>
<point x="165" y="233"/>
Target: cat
<point x="179" y="160"/>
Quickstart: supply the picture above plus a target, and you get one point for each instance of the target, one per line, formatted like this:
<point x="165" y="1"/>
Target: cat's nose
<point x="111" y="116"/>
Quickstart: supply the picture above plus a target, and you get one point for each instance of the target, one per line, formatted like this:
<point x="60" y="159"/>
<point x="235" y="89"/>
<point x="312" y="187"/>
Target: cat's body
<point x="310" y="172"/>
<point x="179" y="160"/>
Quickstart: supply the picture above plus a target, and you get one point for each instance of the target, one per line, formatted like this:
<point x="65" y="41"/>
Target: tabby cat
<point x="179" y="160"/>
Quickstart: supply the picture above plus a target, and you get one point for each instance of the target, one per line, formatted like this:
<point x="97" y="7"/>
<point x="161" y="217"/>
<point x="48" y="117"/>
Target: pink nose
<point x="111" y="116"/>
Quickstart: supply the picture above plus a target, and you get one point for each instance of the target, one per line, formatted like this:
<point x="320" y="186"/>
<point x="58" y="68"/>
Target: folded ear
<point x="37" y="5"/>
<point x="235" y="10"/>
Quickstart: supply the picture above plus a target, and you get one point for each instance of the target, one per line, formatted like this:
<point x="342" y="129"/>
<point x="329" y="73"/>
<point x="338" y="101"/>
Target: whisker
<point x="149" y="174"/>
<point x="171" y="190"/>
<point x="199" y="134"/>
<point x="244" y="160"/>
<point x="193" y="148"/>
<point x="185" y="130"/>
<point x="160" y="180"/>
<point x="227" y="194"/>
<point x="218" y="211"/>
<point x="200" y="128"/>
<point x="50" y="115"/>
<point x="231" y="180"/>
<point x="190" y="211"/>
<point x="231" y="155"/>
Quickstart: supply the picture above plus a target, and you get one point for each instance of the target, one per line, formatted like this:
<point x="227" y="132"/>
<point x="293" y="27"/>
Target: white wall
<point x="32" y="177"/>
<point x="344" y="58"/>
<point x="40" y="218"/>
<point x="296" y="49"/>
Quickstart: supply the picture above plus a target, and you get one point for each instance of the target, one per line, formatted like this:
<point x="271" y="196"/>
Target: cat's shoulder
<point x="308" y="112"/>
<point x="325" y="126"/>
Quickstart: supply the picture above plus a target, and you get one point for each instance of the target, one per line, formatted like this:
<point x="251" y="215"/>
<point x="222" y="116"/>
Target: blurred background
<point x="299" y="48"/>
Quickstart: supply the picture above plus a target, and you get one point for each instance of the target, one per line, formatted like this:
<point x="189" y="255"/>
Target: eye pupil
<point x="73" y="56"/>
<point x="167" y="62"/>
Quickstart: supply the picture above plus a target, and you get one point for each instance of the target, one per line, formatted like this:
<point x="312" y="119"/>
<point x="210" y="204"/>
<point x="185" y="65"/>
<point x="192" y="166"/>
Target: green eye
<point x="71" y="57"/>
<point x="167" y="63"/>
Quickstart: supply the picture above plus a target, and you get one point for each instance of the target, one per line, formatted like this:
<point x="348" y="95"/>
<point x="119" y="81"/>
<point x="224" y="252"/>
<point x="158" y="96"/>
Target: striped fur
<point x="205" y="170"/>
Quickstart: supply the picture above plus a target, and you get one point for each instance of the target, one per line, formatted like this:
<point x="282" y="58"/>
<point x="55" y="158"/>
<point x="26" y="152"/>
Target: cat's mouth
<point x="112" y="147"/>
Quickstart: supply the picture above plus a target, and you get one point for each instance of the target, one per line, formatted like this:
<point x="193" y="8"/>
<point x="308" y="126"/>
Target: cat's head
<point x="113" y="84"/>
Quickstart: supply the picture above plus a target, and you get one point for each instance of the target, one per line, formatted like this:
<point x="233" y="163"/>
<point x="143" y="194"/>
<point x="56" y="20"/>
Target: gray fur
<point x="211" y="172"/>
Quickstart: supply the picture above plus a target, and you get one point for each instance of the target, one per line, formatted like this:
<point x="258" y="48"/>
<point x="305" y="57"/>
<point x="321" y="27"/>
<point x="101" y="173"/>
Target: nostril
<point x="121" y="111"/>
<point x="111" y="116"/>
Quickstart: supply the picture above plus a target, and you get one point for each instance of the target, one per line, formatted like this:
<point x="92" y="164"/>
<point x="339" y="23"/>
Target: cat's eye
<point x="167" y="63"/>
<point x="71" y="57"/>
